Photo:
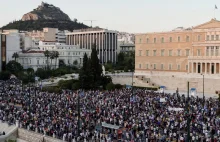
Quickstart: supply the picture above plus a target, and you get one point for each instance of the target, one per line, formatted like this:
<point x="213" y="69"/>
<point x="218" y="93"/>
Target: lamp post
<point x="188" y="118"/>
<point x="203" y="90"/>
<point x="79" y="108"/>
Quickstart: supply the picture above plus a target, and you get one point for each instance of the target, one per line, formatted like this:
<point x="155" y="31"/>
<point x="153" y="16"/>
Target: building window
<point x="217" y="37"/>
<point x="38" y="62"/>
<point x="30" y="61"/>
<point x="171" y="39"/>
<point x="139" y="52"/>
<point x="147" y="40"/>
<point x="207" y="51"/>
<point x="155" y="40"/>
<point x="162" y="40"/>
<point x="212" y="51"/>
<point x="147" y="52"/>
<point x="178" y="39"/>
<point x="140" y="40"/>
<point x="146" y="66"/>
<point x="139" y="66"/>
<point x="198" y="52"/>
<point x="207" y="37"/>
<point x="187" y="52"/>
<point x="216" y="51"/>
<point x="186" y="67"/>
<point x="155" y="66"/>
<point x="187" y="38"/>
<point x="170" y="67"/>
<point x="178" y="67"/>
<point x="212" y="37"/>
<point x="198" y="37"/>
<point x="161" y="66"/>
<point x="170" y="52"/>
<point x="178" y="52"/>
<point x="155" y="52"/>
<point x="162" y="52"/>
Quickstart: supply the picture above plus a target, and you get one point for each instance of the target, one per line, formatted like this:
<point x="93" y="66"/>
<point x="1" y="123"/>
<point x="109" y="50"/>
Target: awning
<point x="110" y="126"/>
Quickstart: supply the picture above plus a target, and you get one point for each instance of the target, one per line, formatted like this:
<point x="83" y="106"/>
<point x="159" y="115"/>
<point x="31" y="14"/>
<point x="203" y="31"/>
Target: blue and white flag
<point x="82" y="94"/>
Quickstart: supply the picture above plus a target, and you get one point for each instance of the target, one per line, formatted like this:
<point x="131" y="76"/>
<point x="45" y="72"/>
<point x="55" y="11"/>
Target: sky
<point x="134" y="16"/>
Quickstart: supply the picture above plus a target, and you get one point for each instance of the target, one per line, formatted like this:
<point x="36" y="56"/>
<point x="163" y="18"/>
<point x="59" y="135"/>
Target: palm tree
<point x="51" y="57"/>
<point x="15" y="55"/>
<point x="47" y="55"/>
<point x="56" y="55"/>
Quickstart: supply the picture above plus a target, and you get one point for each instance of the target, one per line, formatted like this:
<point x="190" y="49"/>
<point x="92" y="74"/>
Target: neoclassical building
<point x="182" y="52"/>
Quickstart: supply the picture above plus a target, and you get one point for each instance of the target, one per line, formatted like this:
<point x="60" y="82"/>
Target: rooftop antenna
<point x="90" y="21"/>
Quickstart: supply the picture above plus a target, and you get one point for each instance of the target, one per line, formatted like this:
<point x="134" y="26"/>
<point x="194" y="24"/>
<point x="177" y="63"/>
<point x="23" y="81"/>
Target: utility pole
<point x="189" y="116"/>
<point x="203" y="93"/>
<point x="79" y="109"/>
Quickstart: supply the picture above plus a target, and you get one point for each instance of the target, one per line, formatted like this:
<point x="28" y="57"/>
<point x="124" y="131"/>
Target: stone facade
<point x="186" y="52"/>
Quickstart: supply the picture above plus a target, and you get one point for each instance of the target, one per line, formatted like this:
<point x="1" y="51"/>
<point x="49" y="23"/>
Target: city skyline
<point x="127" y="16"/>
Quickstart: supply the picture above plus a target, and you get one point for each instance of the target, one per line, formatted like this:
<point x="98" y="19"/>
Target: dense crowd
<point x="141" y="117"/>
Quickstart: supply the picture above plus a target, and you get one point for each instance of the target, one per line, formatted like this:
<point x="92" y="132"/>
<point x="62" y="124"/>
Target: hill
<point x="45" y="15"/>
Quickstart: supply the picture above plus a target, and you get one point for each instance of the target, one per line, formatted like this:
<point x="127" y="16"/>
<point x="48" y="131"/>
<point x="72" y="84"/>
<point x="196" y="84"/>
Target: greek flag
<point x="82" y="94"/>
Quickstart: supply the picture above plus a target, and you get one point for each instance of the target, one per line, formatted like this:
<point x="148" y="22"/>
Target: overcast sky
<point x="137" y="16"/>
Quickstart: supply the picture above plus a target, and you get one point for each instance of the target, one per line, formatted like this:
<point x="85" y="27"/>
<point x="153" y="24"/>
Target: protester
<point x="141" y="117"/>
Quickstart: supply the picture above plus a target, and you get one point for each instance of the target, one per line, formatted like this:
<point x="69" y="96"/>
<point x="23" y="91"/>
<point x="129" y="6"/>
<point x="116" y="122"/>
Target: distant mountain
<point x="45" y="15"/>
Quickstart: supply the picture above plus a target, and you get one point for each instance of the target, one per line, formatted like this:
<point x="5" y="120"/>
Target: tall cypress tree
<point x="96" y="68"/>
<point x="85" y="73"/>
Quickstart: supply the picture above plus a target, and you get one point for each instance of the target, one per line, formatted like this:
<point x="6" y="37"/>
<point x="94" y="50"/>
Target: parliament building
<point x="182" y="54"/>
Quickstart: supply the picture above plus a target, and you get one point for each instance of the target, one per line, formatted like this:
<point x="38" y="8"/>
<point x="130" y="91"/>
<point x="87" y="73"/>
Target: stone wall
<point x="10" y="136"/>
<point x="31" y="136"/>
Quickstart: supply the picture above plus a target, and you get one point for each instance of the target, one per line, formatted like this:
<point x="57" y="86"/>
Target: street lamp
<point x="203" y="92"/>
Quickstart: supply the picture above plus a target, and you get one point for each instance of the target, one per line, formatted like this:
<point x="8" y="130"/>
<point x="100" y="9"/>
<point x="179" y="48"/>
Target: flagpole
<point x="214" y="12"/>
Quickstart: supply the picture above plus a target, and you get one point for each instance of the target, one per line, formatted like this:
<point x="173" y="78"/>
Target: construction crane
<point x="90" y="21"/>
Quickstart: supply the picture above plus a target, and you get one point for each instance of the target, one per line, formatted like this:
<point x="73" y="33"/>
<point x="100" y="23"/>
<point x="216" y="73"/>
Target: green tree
<point x="96" y="68"/>
<point x="75" y="62"/>
<point x="47" y="55"/>
<point x="121" y="57"/>
<point x="85" y="73"/>
<point x="5" y="75"/>
<point x="110" y="86"/>
<point x="15" y="55"/>
<point x="14" y="67"/>
<point x="52" y="56"/>
<point x="56" y="55"/>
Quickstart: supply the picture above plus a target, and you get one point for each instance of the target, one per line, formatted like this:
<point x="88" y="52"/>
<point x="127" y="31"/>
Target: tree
<point x="47" y="55"/>
<point x="110" y="86"/>
<point x="56" y="55"/>
<point x="52" y="56"/>
<point x="121" y="57"/>
<point x="5" y="75"/>
<point x="15" y="55"/>
<point x="14" y="67"/>
<point x="96" y="68"/>
<point x="85" y="75"/>
<point x="75" y="62"/>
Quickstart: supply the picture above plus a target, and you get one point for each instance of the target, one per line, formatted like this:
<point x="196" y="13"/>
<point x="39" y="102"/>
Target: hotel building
<point x="105" y="40"/>
<point x="180" y="54"/>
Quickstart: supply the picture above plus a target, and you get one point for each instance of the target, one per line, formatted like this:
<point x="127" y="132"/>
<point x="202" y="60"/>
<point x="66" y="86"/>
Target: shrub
<point x="126" y="69"/>
<point x="76" y="86"/>
<point x="110" y="86"/>
<point x="118" y="86"/>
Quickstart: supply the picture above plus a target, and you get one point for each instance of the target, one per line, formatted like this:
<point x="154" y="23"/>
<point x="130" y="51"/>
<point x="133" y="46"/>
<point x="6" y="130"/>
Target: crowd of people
<point x="123" y="115"/>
